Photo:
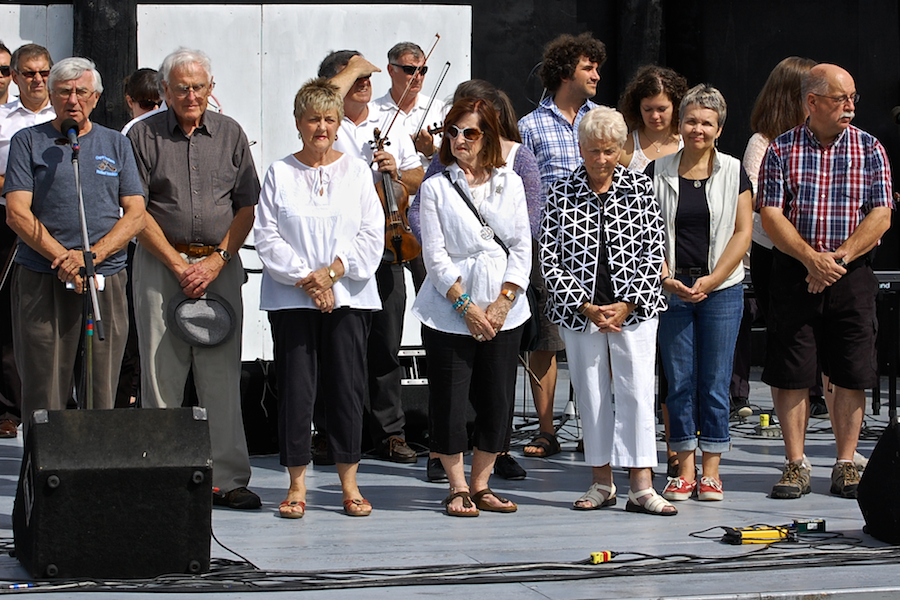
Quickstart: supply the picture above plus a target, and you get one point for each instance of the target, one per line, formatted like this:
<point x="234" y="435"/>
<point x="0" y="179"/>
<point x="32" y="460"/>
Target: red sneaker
<point x="679" y="488"/>
<point x="710" y="489"/>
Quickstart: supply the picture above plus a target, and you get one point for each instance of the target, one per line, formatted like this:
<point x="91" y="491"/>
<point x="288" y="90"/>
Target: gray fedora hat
<point x="206" y="321"/>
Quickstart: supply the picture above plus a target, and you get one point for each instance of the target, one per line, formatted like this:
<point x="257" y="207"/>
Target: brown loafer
<point x="8" y="428"/>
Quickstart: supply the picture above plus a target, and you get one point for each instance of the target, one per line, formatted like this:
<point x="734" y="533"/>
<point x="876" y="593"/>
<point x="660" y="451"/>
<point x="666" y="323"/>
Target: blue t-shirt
<point x="40" y="161"/>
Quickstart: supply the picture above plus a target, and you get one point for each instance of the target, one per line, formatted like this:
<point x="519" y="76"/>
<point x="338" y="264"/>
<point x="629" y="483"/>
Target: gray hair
<point x="603" y="123"/>
<point x="73" y="68"/>
<point x="397" y="52"/>
<point x="181" y="57"/>
<point x="704" y="96"/>
<point x="815" y="81"/>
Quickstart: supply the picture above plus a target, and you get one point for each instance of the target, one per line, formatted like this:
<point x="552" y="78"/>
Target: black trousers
<point x="461" y="369"/>
<point x="384" y="404"/>
<point x="324" y="352"/>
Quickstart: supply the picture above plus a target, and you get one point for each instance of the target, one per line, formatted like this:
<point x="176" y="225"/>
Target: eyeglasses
<point x="4" y="70"/>
<point x="66" y="93"/>
<point x="148" y="104"/>
<point x="840" y="99"/>
<point x="200" y="89"/>
<point x="31" y="74"/>
<point x="472" y="134"/>
<point x="411" y="69"/>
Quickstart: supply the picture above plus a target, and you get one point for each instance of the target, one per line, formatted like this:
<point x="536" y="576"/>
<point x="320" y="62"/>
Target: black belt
<point x="693" y="271"/>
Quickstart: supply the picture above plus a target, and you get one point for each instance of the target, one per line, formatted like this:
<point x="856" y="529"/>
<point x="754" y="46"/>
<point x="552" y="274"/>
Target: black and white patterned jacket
<point x="570" y="239"/>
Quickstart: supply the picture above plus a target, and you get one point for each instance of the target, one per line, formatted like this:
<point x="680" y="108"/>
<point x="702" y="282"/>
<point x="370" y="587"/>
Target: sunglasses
<point x="32" y="74"/>
<point x="472" y="134"/>
<point x="4" y="70"/>
<point x="148" y="104"/>
<point x="411" y="69"/>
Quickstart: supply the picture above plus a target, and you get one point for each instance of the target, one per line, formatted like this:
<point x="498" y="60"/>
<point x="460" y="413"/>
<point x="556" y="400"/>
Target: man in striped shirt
<point x="825" y="200"/>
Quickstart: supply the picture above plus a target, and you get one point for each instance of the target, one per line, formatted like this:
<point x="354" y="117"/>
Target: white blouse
<point x="308" y="216"/>
<point x="453" y="248"/>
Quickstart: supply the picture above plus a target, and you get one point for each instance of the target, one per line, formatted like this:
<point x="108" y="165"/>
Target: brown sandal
<point x="467" y="503"/>
<point x="288" y="509"/>
<point x="357" y="507"/>
<point x="478" y="497"/>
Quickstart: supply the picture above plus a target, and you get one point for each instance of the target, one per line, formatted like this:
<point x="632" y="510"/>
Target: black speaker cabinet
<point x="879" y="488"/>
<point x="116" y="494"/>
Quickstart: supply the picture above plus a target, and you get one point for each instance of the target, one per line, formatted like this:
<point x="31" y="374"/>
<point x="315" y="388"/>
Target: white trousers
<point x="621" y="434"/>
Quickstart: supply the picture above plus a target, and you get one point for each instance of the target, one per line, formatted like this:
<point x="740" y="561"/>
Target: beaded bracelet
<point x="463" y="298"/>
<point x="466" y="308"/>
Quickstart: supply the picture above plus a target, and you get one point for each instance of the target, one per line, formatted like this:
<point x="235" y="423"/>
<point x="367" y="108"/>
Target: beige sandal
<point x="655" y="505"/>
<point x="598" y="495"/>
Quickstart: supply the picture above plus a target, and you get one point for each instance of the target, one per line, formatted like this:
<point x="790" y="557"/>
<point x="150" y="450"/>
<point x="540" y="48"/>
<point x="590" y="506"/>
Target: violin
<point x="400" y="245"/>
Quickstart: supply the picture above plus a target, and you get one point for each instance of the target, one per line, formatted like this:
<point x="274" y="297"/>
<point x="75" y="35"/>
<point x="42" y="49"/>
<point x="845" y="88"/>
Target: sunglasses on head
<point x="4" y="70"/>
<point x="411" y="69"/>
<point x="472" y="134"/>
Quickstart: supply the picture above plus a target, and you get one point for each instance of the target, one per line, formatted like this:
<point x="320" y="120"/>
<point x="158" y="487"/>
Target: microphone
<point x="895" y="115"/>
<point x="70" y="128"/>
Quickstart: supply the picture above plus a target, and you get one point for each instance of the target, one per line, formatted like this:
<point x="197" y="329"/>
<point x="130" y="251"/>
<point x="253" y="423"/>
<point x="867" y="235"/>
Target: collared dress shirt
<point x="410" y="121"/>
<point x="194" y="184"/>
<point x="825" y="192"/>
<point x="13" y="117"/>
<point x="553" y="140"/>
<point x="308" y="216"/>
<point x="356" y="141"/>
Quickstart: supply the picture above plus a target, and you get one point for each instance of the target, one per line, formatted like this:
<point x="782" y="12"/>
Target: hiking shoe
<point x="740" y="407"/>
<point x="710" y="489"/>
<point x="679" y="488"/>
<point x="844" y="480"/>
<point x="793" y="483"/>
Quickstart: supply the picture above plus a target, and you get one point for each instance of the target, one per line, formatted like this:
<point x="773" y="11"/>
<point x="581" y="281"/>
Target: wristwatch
<point x="841" y="262"/>
<point x="225" y="254"/>
<point x="509" y="294"/>
<point x="333" y="275"/>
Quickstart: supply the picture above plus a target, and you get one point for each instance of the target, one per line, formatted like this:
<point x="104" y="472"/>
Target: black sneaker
<point x="817" y="407"/>
<point x="740" y="407"/>
<point x="506" y="467"/>
<point x="435" y="471"/>
<point x="239" y="499"/>
<point x="395" y="449"/>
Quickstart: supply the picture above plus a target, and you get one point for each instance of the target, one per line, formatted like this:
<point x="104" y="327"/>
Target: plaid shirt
<point x="554" y="141"/>
<point x="825" y="192"/>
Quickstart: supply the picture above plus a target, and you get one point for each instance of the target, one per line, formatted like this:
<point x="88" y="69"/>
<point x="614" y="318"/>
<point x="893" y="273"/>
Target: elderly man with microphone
<point x="42" y="208"/>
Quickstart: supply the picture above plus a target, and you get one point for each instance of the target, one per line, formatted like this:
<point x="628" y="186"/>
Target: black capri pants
<point x="461" y="368"/>
<point x="323" y="353"/>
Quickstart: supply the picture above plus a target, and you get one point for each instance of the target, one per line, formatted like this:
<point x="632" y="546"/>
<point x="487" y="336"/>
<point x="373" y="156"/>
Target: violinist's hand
<point x="387" y="164"/>
<point x="424" y="143"/>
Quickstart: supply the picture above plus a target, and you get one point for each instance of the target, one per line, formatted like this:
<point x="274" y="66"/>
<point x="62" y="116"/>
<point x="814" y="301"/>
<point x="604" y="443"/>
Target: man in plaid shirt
<point x="825" y="200"/>
<point x="570" y="72"/>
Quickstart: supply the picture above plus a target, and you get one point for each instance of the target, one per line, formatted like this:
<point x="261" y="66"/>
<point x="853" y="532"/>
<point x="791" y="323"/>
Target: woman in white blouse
<point x="476" y="243"/>
<point x="319" y="232"/>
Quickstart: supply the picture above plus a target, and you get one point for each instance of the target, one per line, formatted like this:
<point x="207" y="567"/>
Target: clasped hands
<point x="823" y="271"/>
<point x="317" y="286"/>
<point x="609" y="317"/>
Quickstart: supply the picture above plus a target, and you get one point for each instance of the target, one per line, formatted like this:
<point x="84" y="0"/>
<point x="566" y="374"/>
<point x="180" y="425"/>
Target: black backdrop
<point x="731" y="44"/>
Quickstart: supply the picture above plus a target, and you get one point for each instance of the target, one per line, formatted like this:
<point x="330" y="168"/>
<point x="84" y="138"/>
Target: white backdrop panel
<point x="49" y="26"/>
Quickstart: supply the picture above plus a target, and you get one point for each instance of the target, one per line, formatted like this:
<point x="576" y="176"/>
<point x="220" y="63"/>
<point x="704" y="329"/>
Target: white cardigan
<point x="453" y="248"/>
<point x="305" y="218"/>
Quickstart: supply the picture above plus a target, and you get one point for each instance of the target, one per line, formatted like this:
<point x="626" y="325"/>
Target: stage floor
<point x="539" y="552"/>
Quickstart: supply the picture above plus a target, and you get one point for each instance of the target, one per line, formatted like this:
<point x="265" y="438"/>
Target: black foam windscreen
<point x="879" y="488"/>
<point x="115" y="494"/>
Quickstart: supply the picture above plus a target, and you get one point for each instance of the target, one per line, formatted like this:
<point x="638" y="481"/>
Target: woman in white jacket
<point x="476" y="243"/>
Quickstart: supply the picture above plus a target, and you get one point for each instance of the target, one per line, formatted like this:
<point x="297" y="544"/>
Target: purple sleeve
<point x="412" y="215"/>
<point x="526" y="167"/>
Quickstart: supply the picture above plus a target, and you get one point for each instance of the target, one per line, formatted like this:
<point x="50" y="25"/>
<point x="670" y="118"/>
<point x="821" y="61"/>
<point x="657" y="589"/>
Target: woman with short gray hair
<point x="601" y="254"/>
<point x="704" y="197"/>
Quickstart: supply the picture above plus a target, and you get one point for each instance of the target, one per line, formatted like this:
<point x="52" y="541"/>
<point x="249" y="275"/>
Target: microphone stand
<point x="91" y="314"/>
